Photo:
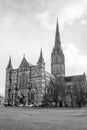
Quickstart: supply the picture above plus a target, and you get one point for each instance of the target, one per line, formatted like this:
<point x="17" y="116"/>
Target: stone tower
<point x="57" y="56"/>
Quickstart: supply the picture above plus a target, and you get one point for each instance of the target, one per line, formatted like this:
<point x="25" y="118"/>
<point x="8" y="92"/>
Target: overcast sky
<point x="26" y="26"/>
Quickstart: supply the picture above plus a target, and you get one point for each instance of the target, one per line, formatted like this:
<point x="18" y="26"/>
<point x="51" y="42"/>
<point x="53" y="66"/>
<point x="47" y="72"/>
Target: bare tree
<point x="57" y="90"/>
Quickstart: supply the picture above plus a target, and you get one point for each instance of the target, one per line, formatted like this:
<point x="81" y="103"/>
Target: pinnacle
<point x="41" y="59"/>
<point x="9" y="64"/>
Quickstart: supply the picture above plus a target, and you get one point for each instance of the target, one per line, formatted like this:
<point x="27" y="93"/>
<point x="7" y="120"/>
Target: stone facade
<point x="29" y="83"/>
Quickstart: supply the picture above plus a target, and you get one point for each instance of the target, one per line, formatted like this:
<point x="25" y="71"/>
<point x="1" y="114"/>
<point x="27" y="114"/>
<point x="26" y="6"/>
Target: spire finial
<point x="23" y="55"/>
<point x="41" y="55"/>
<point x="57" y="21"/>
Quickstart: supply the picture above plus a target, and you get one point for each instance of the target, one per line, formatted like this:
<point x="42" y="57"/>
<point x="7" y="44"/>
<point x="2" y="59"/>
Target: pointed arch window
<point x="23" y="81"/>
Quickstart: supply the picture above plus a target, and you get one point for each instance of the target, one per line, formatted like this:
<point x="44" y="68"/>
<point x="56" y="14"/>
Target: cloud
<point x="72" y="12"/>
<point x="83" y="21"/>
<point x="67" y="15"/>
<point x="44" y="19"/>
<point x="75" y="61"/>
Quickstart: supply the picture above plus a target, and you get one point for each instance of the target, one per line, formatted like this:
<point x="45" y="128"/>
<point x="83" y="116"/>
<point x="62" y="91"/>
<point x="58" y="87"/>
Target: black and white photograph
<point x="43" y="64"/>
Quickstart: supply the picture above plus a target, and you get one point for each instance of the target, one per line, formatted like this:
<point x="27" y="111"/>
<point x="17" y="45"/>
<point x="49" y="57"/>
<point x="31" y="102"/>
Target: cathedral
<point x="28" y="83"/>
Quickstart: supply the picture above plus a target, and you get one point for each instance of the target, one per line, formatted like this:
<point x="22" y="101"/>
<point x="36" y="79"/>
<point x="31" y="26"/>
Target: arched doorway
<point x="20" y="100"/>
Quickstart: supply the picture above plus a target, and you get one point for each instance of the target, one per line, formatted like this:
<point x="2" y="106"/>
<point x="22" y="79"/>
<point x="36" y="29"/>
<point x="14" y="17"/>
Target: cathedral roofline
<point x="76" y="77"/>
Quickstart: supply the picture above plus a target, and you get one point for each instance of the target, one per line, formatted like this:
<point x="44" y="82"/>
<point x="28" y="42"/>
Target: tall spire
<point x="57" y="36"/>
<point x="9" y="66"/>
<point x="41" y="59"/>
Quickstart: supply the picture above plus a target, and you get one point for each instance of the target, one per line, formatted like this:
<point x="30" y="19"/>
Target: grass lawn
<point x="43" y="119"/>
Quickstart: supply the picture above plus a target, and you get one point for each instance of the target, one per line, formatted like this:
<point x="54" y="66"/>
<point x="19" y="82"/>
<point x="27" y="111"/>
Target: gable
<point x="24" y="65"/>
